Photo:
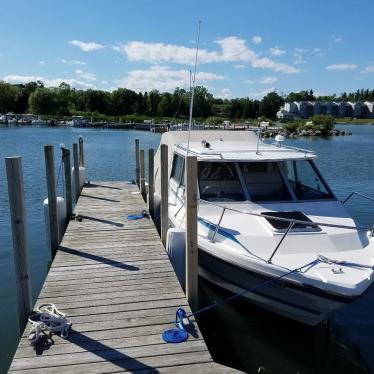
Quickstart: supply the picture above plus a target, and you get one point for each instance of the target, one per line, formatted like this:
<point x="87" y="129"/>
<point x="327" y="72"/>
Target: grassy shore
<point x="357" y="121"/>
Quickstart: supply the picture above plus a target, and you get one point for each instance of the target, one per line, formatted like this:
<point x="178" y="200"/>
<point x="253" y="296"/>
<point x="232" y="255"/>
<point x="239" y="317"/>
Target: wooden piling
<point x="137" y="168"/>
<point x="81" y="152"/>
<point x="76" y="171"/>
<point x="142" y="175"/>
<point x="18" y="221"/>
<point x="151" y="182"/>
<point x="192" y="266"/>
<point x="164" y="205"/>
<point x="52" y="199"/>
<point x="67" y="177"/>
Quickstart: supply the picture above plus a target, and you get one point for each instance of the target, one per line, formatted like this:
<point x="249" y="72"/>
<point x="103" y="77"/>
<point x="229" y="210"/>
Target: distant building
<point x="344" y="110"/>
<point x="370" y="108"/>
<point x="319" y="107"/>
<point x="306" y="109"/>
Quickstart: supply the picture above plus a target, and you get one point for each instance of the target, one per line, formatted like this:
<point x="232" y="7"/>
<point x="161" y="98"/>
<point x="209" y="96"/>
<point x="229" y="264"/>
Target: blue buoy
<point x="175" y="336"/>
<point x="133" y="217"/>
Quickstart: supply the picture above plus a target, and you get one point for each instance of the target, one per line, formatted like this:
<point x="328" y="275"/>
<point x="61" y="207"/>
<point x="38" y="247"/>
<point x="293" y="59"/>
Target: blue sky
<point x="247" y="48"/>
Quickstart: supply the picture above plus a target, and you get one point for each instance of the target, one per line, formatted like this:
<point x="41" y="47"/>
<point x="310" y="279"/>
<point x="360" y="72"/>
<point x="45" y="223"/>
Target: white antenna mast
<point x="193" y="89"/>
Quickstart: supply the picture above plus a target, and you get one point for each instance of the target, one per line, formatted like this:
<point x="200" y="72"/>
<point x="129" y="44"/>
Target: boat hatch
<point x="283" y="225"/>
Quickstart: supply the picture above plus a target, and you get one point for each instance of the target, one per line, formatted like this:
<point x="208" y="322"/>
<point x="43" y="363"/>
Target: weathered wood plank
<point x="114" y="280"/>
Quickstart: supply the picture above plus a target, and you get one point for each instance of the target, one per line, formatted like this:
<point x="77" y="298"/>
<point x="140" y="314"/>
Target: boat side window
<point x="305" y="181"/>
<point x="219" y="181"/>
<point x="177" y="170"/>
<point x="264" y="181"/>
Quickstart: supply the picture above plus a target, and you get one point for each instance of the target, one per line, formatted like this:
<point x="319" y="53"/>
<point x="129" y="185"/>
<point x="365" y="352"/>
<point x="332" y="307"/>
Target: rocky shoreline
<point x="272" y="133"/>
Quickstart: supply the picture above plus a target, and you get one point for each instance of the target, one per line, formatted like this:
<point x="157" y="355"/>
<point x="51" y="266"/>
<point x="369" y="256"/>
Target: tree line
<point x="359" y="95"/>
<point x="35" y="98"/>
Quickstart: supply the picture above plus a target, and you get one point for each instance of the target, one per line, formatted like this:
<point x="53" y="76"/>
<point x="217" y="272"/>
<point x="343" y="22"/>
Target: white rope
<point x="48" y="318"/>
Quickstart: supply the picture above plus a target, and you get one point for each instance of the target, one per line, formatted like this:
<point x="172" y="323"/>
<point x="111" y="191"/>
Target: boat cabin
<point x="283" y="176"/>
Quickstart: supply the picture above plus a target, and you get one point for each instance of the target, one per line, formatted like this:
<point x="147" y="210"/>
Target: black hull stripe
<point x="293" y="305"/>
<point x="304" y="288"/>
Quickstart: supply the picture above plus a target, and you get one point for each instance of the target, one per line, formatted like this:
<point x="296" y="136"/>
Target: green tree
<point x="165" y="106"/>
<point x="8" y="96"/>
<point x="270" y="105"/>
<point x="44" y="101"/>
<point x="325" y="123"/>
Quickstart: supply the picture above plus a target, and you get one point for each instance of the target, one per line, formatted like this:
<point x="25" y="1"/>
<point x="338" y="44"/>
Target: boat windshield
<point x="219" y="181"/>
<point x="305" y="181"/>
<point x="264" y="181"/>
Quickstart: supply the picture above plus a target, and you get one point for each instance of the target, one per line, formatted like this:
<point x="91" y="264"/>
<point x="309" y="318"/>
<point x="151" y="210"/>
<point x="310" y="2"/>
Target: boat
<point x="267" y="217"/>
<point x="39" y="122"/>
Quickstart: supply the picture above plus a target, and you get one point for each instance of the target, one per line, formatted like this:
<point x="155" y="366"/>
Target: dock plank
<point x="113" y="278"/>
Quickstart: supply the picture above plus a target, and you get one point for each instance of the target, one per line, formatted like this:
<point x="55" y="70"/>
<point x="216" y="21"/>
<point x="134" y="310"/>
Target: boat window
<point x="219" y="181"/>
<point x="264" y="181"/>
<point x="177" y="170"/>
<point x="305" y="181"/>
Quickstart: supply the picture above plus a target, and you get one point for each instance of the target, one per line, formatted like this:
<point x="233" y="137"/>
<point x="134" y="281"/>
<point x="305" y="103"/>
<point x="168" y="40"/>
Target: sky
<point x="247" y="47"/>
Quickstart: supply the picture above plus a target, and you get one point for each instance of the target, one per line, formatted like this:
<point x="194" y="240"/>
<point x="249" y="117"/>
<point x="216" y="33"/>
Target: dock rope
<point x="133" y="217"/>
<point x="47" y="318"/>
<point x="182" y="320"/>
<point x="330" y="261"/>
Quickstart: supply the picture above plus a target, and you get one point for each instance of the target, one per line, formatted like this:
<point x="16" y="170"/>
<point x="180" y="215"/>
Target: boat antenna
<point x="193" y="89"/>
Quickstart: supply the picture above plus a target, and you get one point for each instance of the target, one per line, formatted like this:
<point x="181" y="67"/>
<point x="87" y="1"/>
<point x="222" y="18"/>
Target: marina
<point x="96" y="170"/>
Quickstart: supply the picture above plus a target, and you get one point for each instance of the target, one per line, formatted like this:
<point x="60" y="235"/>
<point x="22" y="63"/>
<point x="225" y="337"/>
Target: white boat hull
<point x="303" y="304"/>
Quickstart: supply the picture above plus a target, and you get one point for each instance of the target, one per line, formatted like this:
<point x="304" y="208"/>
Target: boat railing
<point x="358" y="194"/>
<point x="291" y="222"/>
<point x="297" y="149"/>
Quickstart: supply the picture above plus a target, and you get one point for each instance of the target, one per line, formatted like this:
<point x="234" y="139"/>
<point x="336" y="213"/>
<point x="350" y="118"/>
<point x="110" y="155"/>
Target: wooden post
<point x="164" y="207"/>
<point x="192" y="266"/>
<point x="81" y="151"/>
<point x="151" y="181"/>
<point x="52" y="199"/>
<point x="18" y="221"/>
<point x="76" y="171"/>
<point x="142" y="175"/>
<point x="68" y="192"/>
<point x="137" y="168"/>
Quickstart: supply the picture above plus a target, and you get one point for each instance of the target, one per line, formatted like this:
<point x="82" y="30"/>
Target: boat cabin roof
<point x="231" y="146"/>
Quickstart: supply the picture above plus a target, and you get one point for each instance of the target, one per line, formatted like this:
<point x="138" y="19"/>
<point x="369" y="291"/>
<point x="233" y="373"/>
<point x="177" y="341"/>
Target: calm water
<point x="240" y="334"/>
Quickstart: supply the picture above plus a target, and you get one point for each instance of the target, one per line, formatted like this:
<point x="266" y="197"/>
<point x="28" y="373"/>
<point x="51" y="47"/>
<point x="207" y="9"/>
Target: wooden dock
<point x="114" y="280"/>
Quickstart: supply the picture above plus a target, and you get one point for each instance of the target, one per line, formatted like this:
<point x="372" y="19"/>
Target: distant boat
<point x="39" y="122"/>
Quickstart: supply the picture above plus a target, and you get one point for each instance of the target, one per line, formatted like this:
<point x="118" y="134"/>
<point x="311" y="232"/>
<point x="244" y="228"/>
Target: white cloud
<point x="336" y="39"/>
<point x="277" y="51"/>
<point x="85" y="76"/>
<point x="233" y="49"/>
<point x="13" y="78"/>
<point x="72" y="62"/>
<point x="259" y="95"/>
<point x="225" y="93"/>
<point x="104" y="81"/>
<point x="262" y="80"/>
<point x="257" y="39"/>
<point x="163" y="79"/>
<point x="160" y="52"/>
<point x="267" y="80"/>
<point x="368" y="69"/>
<point x="239" y="66"/>
<point x="298" y="55"/>
<point x="42" y="63"/>
<point x="86" y="46"/>
<point x="341" y="67"/>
